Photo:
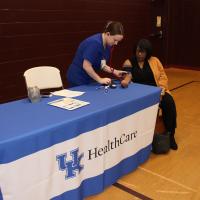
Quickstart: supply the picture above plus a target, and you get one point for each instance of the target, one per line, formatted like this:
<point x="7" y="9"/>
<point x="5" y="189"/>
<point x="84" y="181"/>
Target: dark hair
<point x="145" y="45"/>
<point x="114" y="28"/>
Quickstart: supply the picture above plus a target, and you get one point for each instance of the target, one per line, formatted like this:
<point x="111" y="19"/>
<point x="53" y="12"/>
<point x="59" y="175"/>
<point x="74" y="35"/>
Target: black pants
<point x="168" y="107"/>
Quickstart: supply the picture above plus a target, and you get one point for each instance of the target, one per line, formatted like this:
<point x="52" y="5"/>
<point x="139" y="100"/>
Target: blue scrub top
<point x="91" y="49"/>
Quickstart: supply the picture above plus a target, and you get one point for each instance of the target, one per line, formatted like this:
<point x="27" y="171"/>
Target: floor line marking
<point x="170" y="180"/>
<point x="172" y="192"/>
<point x="127" y="184"/>
<point x="180" y="86"/>
<point x="131" y="191"/>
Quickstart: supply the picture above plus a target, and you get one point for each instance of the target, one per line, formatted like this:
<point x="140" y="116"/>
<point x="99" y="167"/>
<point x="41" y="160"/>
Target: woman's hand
<point x="124" y="83"/>
<point x="106" y="81"/>
<point x="162" y="93"/>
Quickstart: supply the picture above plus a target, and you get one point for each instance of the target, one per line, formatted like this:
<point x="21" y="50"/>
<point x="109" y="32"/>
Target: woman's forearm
<point x="90" y="71"/>
<point x="108" y="69"/>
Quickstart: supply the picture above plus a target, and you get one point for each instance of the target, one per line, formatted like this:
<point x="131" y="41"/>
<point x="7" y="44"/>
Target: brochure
<point x="68" y="103"/>
<point x="67" y="93"/>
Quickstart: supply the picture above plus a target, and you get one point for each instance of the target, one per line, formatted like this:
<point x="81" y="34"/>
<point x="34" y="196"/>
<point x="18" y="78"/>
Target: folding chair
<point x="44" y="77"/>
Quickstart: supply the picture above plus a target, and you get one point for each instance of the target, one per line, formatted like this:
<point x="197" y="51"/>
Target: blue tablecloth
<point x="28" y="129"/>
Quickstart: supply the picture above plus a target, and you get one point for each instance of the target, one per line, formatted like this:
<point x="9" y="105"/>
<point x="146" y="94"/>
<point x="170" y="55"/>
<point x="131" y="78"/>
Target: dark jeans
<point x="168" y="107"/>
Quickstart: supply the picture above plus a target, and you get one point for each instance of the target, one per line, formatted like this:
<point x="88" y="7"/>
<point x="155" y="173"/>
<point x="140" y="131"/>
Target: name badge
<point x="103" y="63"/>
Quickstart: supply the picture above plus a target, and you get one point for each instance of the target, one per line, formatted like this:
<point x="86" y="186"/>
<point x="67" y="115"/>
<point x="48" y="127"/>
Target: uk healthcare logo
<point x="73" y="166"/>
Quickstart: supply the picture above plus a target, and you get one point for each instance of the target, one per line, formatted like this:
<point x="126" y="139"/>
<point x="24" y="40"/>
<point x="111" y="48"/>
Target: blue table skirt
<point x="97" y="184"/>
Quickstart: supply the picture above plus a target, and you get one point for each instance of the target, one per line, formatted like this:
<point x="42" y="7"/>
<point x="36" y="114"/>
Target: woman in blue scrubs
<point x="92" y="55"/>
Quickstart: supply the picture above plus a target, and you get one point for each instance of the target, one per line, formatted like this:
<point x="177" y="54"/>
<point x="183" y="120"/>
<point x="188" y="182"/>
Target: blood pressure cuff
<point x="127" y="68"/>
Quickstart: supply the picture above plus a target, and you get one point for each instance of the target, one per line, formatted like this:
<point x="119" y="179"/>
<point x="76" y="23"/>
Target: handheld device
<point x="112" y="85"/>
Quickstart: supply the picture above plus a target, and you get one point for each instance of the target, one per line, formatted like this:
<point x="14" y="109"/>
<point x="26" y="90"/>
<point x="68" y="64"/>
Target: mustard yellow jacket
<point x="159" y="73"/>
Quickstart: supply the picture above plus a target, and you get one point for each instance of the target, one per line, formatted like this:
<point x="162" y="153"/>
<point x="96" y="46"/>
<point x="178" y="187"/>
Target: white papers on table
<point x="67" y="93"/>
<point x="68" y="103"/>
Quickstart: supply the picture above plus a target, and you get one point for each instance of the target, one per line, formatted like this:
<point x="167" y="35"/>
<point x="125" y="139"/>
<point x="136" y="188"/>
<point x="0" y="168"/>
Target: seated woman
<point x="146" y="69"/>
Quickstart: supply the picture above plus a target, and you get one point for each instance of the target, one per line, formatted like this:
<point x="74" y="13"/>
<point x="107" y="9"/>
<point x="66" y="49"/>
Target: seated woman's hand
<point x="124" y="83"/>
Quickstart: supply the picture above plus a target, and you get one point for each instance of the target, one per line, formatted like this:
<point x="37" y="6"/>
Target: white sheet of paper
<point x="68" y="103"/>
<point x="67" y="93"/>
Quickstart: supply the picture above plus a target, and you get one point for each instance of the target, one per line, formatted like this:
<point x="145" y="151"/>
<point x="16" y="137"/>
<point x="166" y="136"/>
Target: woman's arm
<point x="162" y="80"/>
<point x="128" y="77"/>
<point x="87" y="66"/>
<point x="116" y="72"/>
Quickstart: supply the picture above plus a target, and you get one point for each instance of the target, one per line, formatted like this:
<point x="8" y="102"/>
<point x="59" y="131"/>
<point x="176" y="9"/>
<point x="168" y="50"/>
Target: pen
<point x="46" y="95"/>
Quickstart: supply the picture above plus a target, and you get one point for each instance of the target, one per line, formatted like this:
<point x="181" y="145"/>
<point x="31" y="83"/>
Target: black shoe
<point x="173" y="144"/>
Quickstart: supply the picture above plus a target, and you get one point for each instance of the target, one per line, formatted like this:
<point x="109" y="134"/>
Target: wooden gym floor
<point x="176" y="175"/>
